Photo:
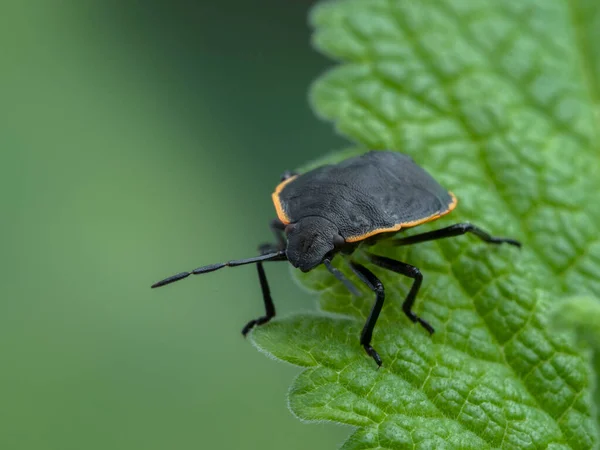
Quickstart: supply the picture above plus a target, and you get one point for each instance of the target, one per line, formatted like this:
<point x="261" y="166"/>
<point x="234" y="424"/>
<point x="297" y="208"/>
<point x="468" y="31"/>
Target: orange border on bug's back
<point x="278" y="206"/>
<point x="283" y="217"/>
<point x="399" y="226"/>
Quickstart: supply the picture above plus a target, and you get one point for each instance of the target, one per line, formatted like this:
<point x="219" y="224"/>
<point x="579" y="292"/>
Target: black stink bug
<point x="335" y="208"/>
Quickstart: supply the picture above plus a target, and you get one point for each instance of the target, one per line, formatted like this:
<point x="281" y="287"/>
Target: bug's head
<point x="310" y="240"/>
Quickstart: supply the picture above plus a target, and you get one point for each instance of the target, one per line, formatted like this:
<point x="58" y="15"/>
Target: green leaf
<point x="580" y="316"/>
<point x="500" y="101"/>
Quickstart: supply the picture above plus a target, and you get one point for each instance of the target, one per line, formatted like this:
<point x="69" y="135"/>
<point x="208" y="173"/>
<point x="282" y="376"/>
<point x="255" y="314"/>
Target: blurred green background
<point x="140" y="139"/>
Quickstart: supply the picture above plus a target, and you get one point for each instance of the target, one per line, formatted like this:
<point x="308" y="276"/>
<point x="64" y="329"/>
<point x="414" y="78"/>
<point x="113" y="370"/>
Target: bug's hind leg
<point x="411" y="272"/>
<point x="367" y="277"/>
<point x="454" y="230"/>
<point x="277" y="228"/>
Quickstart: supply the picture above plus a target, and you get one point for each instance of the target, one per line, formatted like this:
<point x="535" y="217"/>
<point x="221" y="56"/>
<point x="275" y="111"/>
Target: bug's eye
<point x="338" y="241"/>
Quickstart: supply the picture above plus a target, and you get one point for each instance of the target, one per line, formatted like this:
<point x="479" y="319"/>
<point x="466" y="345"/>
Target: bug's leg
<point x="269" y="306"/>
<point x="367" y="277"/>
<point x="411" y="272"/>
<point x="264" y="285"/>
<point x="340" y="276"/>
<point x="454" y="230"/>
<point x="277" y="228"/>
<point x="288" y="174"/>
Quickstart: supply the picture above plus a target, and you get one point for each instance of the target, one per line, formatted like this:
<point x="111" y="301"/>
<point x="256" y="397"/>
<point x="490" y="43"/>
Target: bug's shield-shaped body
<point x="380" y="191"/>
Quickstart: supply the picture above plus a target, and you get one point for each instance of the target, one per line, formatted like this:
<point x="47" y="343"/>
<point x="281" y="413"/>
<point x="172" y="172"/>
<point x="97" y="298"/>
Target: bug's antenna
<point x="340" y="276"/>
<point x="274" y="256"/>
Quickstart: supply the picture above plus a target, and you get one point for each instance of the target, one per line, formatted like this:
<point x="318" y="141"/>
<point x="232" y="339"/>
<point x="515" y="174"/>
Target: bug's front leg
<point x="277" y="227"/>
<point x="268" y="300"/>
